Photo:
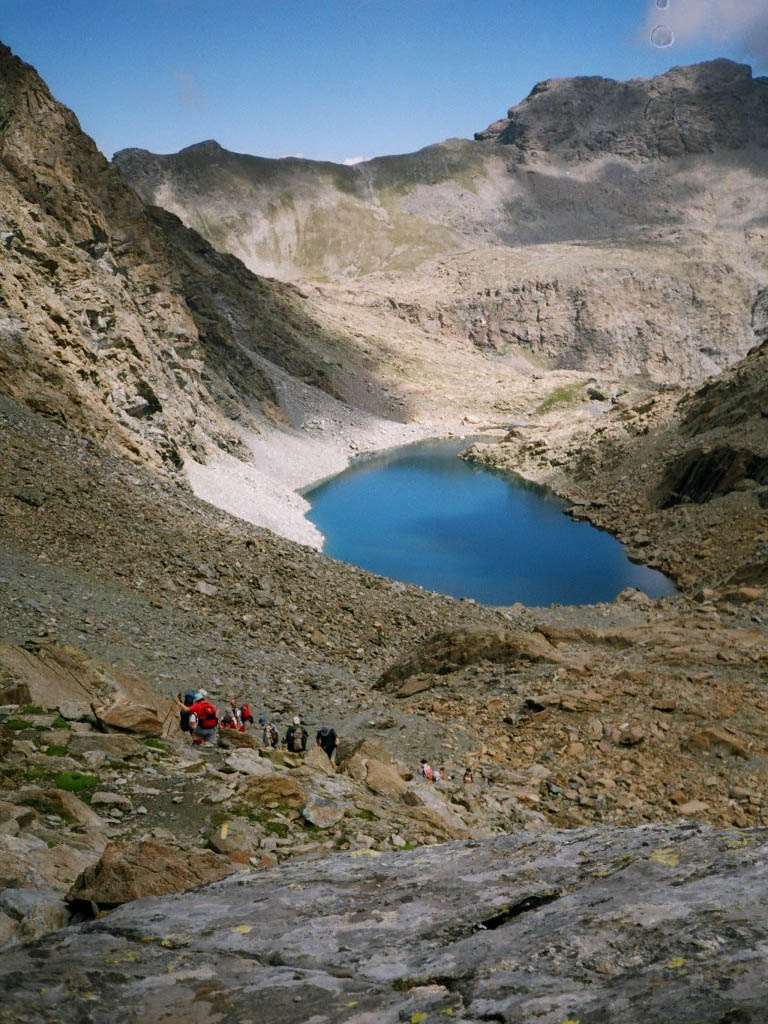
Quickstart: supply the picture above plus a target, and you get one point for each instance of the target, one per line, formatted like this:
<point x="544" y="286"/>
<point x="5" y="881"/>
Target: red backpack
<point x="207" y="716"/>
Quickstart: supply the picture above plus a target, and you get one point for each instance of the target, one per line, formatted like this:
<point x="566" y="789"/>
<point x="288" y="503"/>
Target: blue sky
<point x="341" y="79"/>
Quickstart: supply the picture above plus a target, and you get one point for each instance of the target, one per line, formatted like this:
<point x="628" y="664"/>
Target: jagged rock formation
<point x="660" y="924"/>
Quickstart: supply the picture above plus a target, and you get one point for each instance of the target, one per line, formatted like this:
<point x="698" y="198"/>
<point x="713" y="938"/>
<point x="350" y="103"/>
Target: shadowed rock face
<point x="114" y="318"/>
<point x="716" y="105"/>
<point x="660" y="924"/>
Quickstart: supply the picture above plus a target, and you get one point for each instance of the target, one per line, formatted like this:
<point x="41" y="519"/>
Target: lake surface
<point x="421" y="515"/>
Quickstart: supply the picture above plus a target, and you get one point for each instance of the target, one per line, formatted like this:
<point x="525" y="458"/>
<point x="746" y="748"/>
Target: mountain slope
<point x="115" y="318"/>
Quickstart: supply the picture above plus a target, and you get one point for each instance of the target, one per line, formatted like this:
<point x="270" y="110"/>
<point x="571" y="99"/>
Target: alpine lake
<point x="420" y="514"/>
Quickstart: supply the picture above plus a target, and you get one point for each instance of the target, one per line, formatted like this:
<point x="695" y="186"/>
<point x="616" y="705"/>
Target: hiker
<point x="269" y="734"/>
<point x="229" y="721"/>
<point x="440" y="775"/>
<point x="236" y="716"/>
<point x="329" y="741"/>
<point x="296" y="737"/>
<point x="184" y="717"/>
<point x="469" y="777"/>
<point x="203" y="719"/>
<point x="425" y="769"/>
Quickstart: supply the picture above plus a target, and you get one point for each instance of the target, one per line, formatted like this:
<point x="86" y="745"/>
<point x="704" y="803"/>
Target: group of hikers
<point x="199" y="718"/>
<point x="438" y="774"/>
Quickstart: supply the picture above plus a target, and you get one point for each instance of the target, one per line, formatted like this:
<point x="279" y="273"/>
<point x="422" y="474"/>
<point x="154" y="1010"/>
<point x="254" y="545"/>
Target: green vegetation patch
<point x="31" y="709"/>
<point x="29" y="774"/>
<point x="155" y="745"/>
<point x="566" y="394"/>
<point x="17" y="724"/>
<point x="75" y="782"/>
<point x="363" y="813"/>
<point x="60" y="723"/>
<point x="221" y="816"/>
<point x="54" y="750"/>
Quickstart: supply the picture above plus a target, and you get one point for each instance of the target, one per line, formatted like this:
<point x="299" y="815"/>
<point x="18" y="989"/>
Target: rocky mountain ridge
<point x="712" y="107"/>
<point x="520" y="242"/>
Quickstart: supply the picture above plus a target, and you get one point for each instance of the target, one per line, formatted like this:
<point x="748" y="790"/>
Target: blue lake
<point x="421" y="515"/>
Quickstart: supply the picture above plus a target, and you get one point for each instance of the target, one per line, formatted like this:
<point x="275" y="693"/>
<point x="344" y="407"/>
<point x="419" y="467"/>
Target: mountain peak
<point x="695" y="109"/>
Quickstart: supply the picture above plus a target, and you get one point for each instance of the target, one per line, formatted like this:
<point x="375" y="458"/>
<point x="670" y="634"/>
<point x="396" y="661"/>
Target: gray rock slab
<point x="660" y="924"/>
<point x="111" y="744"/>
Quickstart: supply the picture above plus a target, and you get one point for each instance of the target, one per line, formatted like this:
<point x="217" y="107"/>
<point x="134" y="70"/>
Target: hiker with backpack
<point x="236" y="716"/>
<point x="203" y="719"/>
<point x="296" y="737"/>
<point x="184" y="715"/>
<point x="329" y="741"/>
<point x="426" y="770"/>
<point x="269" y="734"/>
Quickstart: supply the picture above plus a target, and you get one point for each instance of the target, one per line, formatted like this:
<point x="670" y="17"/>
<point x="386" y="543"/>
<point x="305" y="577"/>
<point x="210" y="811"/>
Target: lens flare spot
<point x="662" y="36"/>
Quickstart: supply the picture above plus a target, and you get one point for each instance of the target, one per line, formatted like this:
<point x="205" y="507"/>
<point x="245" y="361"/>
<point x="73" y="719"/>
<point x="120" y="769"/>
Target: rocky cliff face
<point x="114" y="318"/>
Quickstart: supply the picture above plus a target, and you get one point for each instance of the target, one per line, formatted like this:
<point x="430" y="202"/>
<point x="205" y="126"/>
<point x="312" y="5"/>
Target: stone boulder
<point x="56" y="675"/>
<point x="235" y="836"/>
<point x="29" y="863"/>
<point x="316" y="760"/>
<point x="231" y="739"/>
<point x="125" y="717"/>
<point x="248" y="762"/>
<point x="446" y="652"/>
<point x="322" y="813"/>
<point x="110" y="743"/>
<point x="384" y="779"/>
<point x="33" y="912"/>
<point x="271" y="790"/>
<point x="434" y="809"/>
<point x="60" y="802"/>
<point x="129" y="871"/>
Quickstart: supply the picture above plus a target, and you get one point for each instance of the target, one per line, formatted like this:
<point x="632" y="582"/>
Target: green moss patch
<point x="17" y="724"/>
<point x="60" y="723"/>
<point x="31" y="709"/>
<point x="54" y="750"/>
<point x="566" y="394"/>
<point x="75" y="782"/>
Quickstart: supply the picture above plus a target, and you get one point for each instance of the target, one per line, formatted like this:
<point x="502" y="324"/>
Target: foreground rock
<point x="62" y="677"/>
<point x="132" y="871"/>
<point x="659" y="924"/>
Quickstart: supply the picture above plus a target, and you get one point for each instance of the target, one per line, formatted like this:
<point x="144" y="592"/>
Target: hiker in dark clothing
<point x="296" y="737"/>
<point x="329" y="741"/>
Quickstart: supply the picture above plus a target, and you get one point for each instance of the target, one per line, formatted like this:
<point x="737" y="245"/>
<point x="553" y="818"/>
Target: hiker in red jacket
<point x="205" y="718"/>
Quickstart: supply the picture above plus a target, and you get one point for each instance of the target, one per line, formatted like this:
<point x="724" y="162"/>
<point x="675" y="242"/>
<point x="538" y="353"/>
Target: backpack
<point x="297" y="739"/>
<point x="208" y="718"/>
<point x="245" y="714"/>
<point x="271" y="735"/>
<point x="184" y="721"/>
<point x="428" y="773"/>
